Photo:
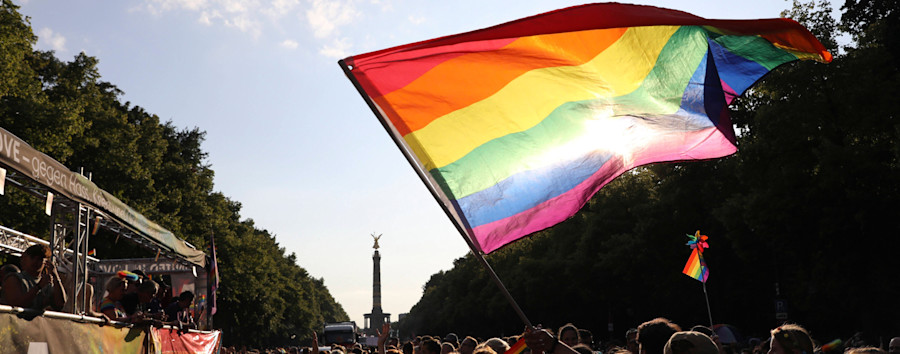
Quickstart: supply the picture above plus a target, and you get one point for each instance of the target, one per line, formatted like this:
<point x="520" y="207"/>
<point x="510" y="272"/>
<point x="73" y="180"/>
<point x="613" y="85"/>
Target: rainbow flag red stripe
<point x="519" y="124"/>
<point x="696" y="267"/>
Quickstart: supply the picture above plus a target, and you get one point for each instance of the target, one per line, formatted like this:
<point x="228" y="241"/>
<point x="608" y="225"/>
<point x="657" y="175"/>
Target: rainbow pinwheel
<point x="696" y="267"/>
<point x="698" y="241"/>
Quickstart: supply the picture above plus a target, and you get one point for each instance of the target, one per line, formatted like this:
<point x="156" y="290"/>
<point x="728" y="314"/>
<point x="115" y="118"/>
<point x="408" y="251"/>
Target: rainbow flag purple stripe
<point x="521" y="123"/>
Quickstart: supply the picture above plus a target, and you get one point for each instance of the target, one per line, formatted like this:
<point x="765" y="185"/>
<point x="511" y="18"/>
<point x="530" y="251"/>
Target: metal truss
<point x="70" y="231"/>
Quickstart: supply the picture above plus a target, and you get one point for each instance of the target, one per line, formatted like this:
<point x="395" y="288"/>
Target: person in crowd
<point x="865" y="350"/>
<point x="484" y="350"/>
<point x="86" y="293"/>
<point x="540" y="340"/>
<point x="37" y="285"/>
<point x="690" y="342"/>
<point x="581" y="348"/>
<point x="148" y="307"/>
<point x="110" y="305"/>
<point x="452" y="339"/>
<point x="586" y="338"/>
<point x="447" y="348"/>
<point x="790" y="339"/>
<point x="653" y="334"/>
<point x="497" y="344"/>
<point x="468" y="345"/>
<point x="130" y="300"/>
<point x="631" y="341"/>
<point x="430" y="346"/>
<point x="569" y="334"/>
<point x="711" y="334"/>
<point x="894" y="346"/>
<point x="179" y="311"/>
<point x="7" y="269"/>
<point x="407" y="348"/>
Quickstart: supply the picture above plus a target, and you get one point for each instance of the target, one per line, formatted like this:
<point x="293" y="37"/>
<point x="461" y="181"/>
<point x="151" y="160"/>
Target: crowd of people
<point x="135" y="298"/>
<point x="657" y="336"/>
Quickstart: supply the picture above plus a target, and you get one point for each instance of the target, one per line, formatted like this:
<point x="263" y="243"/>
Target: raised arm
<point x="383" y="337"/>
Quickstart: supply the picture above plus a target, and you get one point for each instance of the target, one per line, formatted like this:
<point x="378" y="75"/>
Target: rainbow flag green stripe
<point x="521" y="123"/>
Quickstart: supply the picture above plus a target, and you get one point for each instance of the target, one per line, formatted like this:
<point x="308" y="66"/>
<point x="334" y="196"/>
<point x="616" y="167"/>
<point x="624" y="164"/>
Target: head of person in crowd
<point x="711" y="334"/>
<point x="690" y="342"/>
<point x="34" y="258"/>
<point x="185" y="299"/>
<point x="497" y="344"/>
<point x="467" y="346"/>
<point x="617" y="350"/>
<point x="568" y="334"/>
<point x="653" y="335"/>
<point x="582" y="349"/>
<point x="430" y="345"/>
<point x="894" y="346"/>
<point x="134" y="285"/>
<point x="586" y="338"/>
<point x="790" y="339"/>
<point x="447" y="348"/>
<point x="147" y="291"/>
<point x="394" y="341"/>
<point x="512" y="340"/>
<point x="631" y="341"/>
<point x="483" y="349"/>
<point x="115" y="288"/>
<point x="703" y="329"/>
<point x="452" y="339"/>
<point x="407" y="348"/>
<point x="7" y="269"/>
<point x="865" y="350"/>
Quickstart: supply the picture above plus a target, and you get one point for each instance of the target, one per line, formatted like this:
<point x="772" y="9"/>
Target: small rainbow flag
<point x="92" y="252"/>
<point x="517" y="348"/>
<point x="516" y="126"/>
<point x="696" y="267"/>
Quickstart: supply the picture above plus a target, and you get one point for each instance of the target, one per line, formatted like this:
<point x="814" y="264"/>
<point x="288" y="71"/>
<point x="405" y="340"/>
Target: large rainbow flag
<point x="516" y="126"/>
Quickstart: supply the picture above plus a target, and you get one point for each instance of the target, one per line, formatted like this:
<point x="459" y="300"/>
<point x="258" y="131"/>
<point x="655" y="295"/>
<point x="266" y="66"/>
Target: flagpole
<point x="708" y="311"/>
<point x="412" y="162"/>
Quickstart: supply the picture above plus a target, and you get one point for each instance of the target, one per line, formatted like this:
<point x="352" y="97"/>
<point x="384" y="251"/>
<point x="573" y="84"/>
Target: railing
<point x="31" y="313"/>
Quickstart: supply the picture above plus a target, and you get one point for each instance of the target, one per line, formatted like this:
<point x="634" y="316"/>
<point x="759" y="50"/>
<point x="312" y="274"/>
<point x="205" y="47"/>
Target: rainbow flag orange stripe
<point x="696" y="267"/>
<point x="519" y="124"/>
<point x="516" y="348"/>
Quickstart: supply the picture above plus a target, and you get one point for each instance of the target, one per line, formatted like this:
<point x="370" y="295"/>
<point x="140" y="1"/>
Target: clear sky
<point x="287" y="134"/>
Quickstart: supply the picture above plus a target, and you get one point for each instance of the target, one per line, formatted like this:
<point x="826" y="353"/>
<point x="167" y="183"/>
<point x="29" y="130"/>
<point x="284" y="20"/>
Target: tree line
<point x="804" y="213"/>
<point x="65" y="110"/>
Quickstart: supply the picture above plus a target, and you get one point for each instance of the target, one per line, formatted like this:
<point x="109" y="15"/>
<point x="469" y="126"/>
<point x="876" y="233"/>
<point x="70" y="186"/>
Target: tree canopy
<point x="65" y="110"/>
<point x="804" y="212"/>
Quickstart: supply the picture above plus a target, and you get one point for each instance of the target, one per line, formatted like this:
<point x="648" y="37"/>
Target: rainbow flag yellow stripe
<point x="521" y="123"/>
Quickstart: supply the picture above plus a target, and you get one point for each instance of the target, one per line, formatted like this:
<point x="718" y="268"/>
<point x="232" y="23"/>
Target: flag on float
<point x="696" y="266"/>
<point x="214" y="275"/>
<point x="516" y="126"/>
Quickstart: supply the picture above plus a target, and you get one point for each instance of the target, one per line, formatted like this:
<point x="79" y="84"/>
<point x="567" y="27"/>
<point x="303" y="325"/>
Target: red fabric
<point x="169" y="341"/>
<point x="615" y="15"/>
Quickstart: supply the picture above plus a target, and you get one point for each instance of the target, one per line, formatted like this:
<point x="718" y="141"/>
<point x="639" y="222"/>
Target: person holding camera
<point x="38" y="285"/>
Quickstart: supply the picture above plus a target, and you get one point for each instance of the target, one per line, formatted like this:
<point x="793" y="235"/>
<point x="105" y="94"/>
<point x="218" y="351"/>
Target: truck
<point x="343" y="333"/>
